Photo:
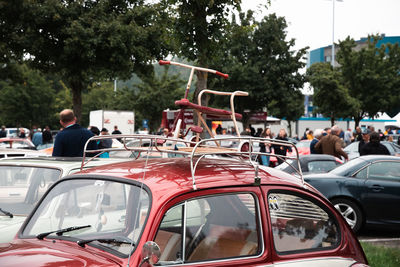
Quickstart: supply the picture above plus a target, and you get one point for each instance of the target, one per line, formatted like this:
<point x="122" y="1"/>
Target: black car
<point x="366" y="190"/>
<point x="312" y="163"/>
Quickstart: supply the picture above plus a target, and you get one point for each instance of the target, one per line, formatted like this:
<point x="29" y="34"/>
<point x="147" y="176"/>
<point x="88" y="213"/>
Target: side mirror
<point x="150" y="253"/>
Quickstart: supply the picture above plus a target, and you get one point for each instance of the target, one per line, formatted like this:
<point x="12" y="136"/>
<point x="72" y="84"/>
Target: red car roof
<point x="171" y="176"/>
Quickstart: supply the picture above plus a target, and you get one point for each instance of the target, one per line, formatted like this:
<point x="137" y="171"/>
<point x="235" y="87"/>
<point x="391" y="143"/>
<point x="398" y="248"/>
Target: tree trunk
<point x="76" y="88"/>
<point x="357" y="121"/>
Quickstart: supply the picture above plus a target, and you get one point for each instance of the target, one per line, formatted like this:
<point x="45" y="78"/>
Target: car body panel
<point x="52" y="253"/>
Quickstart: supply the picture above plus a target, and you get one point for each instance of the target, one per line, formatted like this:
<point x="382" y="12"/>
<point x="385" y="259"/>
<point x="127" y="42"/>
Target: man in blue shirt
<point x="71" y="140"/>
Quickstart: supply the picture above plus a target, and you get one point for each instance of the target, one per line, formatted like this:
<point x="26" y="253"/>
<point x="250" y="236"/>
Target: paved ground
<point x="380" y="237"/>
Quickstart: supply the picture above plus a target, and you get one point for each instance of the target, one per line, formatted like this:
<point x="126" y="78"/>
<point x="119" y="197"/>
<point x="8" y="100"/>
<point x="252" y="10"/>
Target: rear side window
<point x="321" y="166"/>
<point x="215" y="227"/>
<point x="299" y="224"/>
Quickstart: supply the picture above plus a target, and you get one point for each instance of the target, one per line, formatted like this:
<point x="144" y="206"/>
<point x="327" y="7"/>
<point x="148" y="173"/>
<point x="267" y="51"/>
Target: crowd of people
<point x="71" y="139"/>
<point x="331" y="141"/>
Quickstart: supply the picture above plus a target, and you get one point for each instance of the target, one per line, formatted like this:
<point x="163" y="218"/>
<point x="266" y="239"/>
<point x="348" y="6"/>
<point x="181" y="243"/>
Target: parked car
<point x="15" y="142"/>
<point x="352" y="149"/>
<point x="191" y="211"/>
<point x="13" y="132"/>
<point x="23" y="181"/>
<point x="312" y="163"/>
<point x="366" y="190"/>
<point x="303" y="147"/>
<point x="17" y="152"/>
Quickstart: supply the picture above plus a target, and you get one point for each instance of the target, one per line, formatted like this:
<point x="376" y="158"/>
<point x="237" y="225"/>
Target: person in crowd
<point x="305" y="134"/>
<point x="116" y="131"/>
<point x="37" y="137"/>
<point x="258" y="132"/>
<point x="22" y="133"/>
<point x="47" y="137"/>
<point x="327" y="131"/>
<point x="331" y="144"/>
<point x="310" y="135"/>
<point x="357" y="135"/>
<point x="252" y="130"/>
<point x="265" y="147"/>
<point x="105" y="143"/>
<point x="247" y="131"/>
<point x="280" y="149"/>
<point x="318" y="133"/>
<point x="166" y="132"/>
<point x="348" y="136"/>
<point x="3" y="132"/>
<point x="218" y="130"/>
<point x="365" y="138"/>
<point x="70" y="142"/>
<point x="374" y="146"/>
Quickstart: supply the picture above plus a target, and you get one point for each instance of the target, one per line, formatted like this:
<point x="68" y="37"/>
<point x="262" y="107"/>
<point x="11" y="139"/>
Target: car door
<point x="215" y="228"/>
<point x="302" y="225"/>
<point x="382" y="187"/>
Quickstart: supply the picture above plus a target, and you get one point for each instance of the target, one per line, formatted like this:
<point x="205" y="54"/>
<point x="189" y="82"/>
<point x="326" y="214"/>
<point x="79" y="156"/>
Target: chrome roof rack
<point x="242" y="148"/>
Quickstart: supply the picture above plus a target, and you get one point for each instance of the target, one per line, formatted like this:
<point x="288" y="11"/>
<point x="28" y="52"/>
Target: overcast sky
<point x="310" y="21"/>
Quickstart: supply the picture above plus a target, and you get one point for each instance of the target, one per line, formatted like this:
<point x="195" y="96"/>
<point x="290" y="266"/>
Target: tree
<point x="260" y="61"/>
<point x="199" y="28"/>
<point x="28" y="100"/>
<point x="330" y="98"/>
<point x="84" y="41"/>
<point x="156" y="94"/>
<point x="368" y="75"/>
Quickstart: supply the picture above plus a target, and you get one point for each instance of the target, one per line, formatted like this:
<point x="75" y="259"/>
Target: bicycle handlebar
<point x="167" y="62"/>
<point x="164" y="62"/>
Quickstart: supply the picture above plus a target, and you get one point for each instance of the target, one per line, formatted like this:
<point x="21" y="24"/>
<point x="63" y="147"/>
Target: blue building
<point x="324" y="54"/>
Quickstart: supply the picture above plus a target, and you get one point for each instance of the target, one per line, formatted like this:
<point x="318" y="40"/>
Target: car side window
<point x="299" y="224"/>
<point x="321" y="166"/>
<point x="384" y="170"/>
<point x="215" y="227"/>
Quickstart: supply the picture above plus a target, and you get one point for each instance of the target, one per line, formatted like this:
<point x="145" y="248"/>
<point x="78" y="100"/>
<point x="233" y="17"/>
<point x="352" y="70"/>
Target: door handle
<point x="376" y="187"/>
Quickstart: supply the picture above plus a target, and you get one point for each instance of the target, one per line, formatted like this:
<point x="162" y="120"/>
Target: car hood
<point x="9" y="227"/>
<point x="50" y="253"/>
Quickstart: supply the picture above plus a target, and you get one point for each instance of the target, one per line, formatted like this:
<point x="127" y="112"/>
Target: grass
<point x="381" y="256"/>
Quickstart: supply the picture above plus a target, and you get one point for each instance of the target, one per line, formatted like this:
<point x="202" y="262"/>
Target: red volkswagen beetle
<point x="200" y="210"/>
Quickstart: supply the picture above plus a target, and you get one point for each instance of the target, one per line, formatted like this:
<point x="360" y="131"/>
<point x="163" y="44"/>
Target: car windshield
<point x="348" y="167"/>
<point x="112" y="210"/>
<point x="21" y="187"/>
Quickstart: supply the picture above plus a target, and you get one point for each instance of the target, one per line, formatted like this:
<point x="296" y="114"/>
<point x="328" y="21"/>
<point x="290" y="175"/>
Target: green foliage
<point x="331" y="98"/>
<point x="27" y="100"/>
<point x="370" y="75"/>
<point x="199" y="27"/>
<point x="156" y="94"/>
<point x="85" y="41"/>
<point x="261" y="62"/>
<point x="378" y="256"/>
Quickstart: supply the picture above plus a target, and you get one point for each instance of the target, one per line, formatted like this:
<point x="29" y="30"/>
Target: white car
<point x="23" y="181"/>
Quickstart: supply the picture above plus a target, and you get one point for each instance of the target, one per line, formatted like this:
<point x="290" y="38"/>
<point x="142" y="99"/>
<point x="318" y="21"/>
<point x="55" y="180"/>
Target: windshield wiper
<point x="117" y="240"/>
<point x="61" y="231"/>
<point x="6" y="213"/>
